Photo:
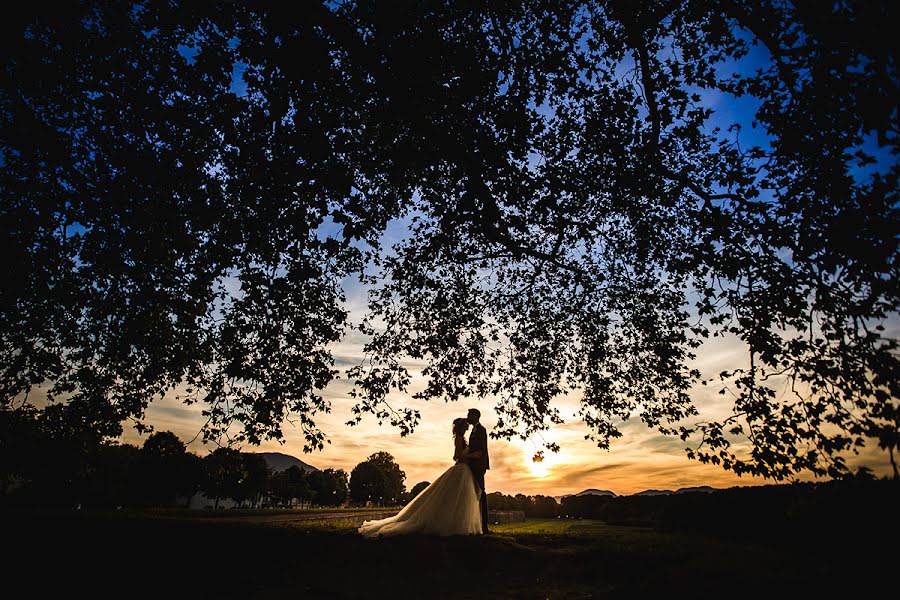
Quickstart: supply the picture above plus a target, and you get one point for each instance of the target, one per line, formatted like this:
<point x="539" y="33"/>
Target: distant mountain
<point x="701" y="488"/>
<point x="592" y="492"/>
<point x="654" y="493"/>
<point x="281" y="462"/>
<point x="686" y="490"/>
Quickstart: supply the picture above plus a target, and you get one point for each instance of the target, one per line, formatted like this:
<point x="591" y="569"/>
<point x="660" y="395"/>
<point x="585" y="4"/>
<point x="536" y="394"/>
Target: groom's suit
<point x="478" y="443"/>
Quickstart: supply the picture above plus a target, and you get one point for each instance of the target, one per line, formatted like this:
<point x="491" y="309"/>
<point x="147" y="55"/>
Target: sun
<point x="539" y="464"/>
<point x="539" y="470"/>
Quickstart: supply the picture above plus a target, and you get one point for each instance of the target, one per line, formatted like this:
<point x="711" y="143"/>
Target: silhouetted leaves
<point x="187" y="191"/>
<point x="378" y="479"/>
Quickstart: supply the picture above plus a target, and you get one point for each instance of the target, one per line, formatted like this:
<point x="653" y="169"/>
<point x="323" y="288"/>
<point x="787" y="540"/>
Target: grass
<point x="132" y="555"/>
<point x="555" y="527"/>
<point x="243" y="513"/>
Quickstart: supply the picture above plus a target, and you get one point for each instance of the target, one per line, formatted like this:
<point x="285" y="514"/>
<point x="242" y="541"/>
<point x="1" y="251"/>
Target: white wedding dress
<point x="449" y="506"/>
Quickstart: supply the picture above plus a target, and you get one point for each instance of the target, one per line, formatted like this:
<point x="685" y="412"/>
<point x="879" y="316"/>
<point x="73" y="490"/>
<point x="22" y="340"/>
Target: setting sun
<point x="538" y="463"/>
<point x="538" y="469"/>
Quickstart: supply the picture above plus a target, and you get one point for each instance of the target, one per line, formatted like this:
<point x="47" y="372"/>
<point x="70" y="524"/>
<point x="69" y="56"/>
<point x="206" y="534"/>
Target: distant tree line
<point x="537" y="506"/>
<point x="46" y="462"/>
<point x="42" y="464"/>
<point x="799" y="512"/>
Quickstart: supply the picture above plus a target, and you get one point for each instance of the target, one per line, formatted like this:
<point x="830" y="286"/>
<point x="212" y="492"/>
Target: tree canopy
<point x="379" y="479"/>
<point x="416" y="490"/>
<point x="366" y="483"/>
<point x="591" y="190"/>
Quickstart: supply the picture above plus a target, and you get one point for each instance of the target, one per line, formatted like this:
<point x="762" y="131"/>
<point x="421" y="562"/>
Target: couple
<point x="455" y="503"/>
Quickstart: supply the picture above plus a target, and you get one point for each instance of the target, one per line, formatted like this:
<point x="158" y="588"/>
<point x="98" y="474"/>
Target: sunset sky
<point x="641" y="459"/>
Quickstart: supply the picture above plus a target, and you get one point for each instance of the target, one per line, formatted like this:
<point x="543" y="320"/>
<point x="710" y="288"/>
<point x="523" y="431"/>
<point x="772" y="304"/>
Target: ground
<point x="284" y="555"/>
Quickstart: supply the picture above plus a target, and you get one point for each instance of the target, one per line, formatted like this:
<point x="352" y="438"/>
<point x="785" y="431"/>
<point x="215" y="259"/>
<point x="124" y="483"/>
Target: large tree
<point x="291" y="484"/>
<point x="162" y="461"/>
<point x="379" y="478"/>
<point x="592" y="189"/>
<point x="329" y="487"/>
<point x="255" y="482"/>
<point x="223" y="473"/>
<point x="394" y="476"/>
<point x="366" y="483"/>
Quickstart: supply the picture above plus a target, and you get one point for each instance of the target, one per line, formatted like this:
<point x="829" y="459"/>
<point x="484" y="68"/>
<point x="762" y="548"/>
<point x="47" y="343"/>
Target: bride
<point x="449" y="506"/>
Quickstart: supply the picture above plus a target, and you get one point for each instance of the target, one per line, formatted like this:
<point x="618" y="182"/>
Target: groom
<point x="478" y="459"/>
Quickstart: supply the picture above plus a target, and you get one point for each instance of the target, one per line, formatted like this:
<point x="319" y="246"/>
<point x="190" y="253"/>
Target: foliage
<point x="118" y="478"/>
<point x="367" y="483"/>
<point x="163" y="446"/>
<point x="37" y="469"/>
<point x="160" y="462"/>
<point x="255" y="482"/>
<point x="378" y="479"/>
<point x="184" y="198"/>
<point x="167" y="470"/>
<point x="190" y="476"/>
<point x="240" y="476"/>
<point x="394" y="477"/>
<point x="416" y="490"/>
<point x="538" y="506"/>
<point x="223" y="474"/>
<point x="54" y="456"/>
<point x="795" y="513"/>
<point x="329" y="486"/>
<point x="289" y="485"/>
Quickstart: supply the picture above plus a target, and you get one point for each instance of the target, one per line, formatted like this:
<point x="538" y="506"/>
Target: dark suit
<point x="478" y="443"/>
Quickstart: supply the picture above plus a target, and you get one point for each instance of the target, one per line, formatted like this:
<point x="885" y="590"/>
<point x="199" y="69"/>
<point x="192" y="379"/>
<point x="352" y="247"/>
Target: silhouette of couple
<point x="453" y="504"/>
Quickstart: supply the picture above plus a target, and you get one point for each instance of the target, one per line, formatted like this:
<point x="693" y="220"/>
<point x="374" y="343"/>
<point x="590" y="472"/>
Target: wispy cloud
<point x="641" y="459"/>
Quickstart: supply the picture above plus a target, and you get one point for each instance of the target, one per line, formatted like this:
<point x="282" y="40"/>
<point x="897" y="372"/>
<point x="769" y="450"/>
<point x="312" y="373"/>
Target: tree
<point x="43" y="462"/>
<point x="255" y="480"/>
<point x="582" y="215"/>
<point x="19" y="443"/>
<point x="522" y="502"/>
<point x="544" y="507"/>
<point x="367" y="483"/>
<point x="329" y="486"/>
<point x="69" y="437"/>
<point x="280" y="489"/>
<point x="299" y="484"/>
<point x="163" y="446"/>
<point x="167" y="470"/>
<point x="416" y="490"/>
<point x="116" y="476"/>
<point x="394" y="477"/>
<point x="162" y="460"/>
<point x="189" y="479"/>
<point x="498" y="501"/>
<point x="223" y="474"/>
<point x="291" y="484"/>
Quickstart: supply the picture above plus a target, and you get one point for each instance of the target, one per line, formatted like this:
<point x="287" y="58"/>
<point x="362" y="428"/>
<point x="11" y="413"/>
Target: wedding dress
<point x="449" y="506"/>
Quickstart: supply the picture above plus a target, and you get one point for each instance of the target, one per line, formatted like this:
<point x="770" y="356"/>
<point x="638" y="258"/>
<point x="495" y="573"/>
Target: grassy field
<point x="553" y="527"/>
<point x="135" y="555"/>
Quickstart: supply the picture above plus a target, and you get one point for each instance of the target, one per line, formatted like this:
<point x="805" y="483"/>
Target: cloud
<point x="579" y="476"/>
<point x="641" y="459"/>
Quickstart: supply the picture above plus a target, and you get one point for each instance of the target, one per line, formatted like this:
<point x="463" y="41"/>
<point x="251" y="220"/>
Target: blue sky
<point x="641" y="459"/>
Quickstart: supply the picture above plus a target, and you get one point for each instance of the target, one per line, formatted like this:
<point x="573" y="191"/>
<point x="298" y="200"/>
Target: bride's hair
<point x="459" y="425"/>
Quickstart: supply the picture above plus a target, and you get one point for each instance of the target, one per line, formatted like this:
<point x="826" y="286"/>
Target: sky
<point x="641" y="459"/>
